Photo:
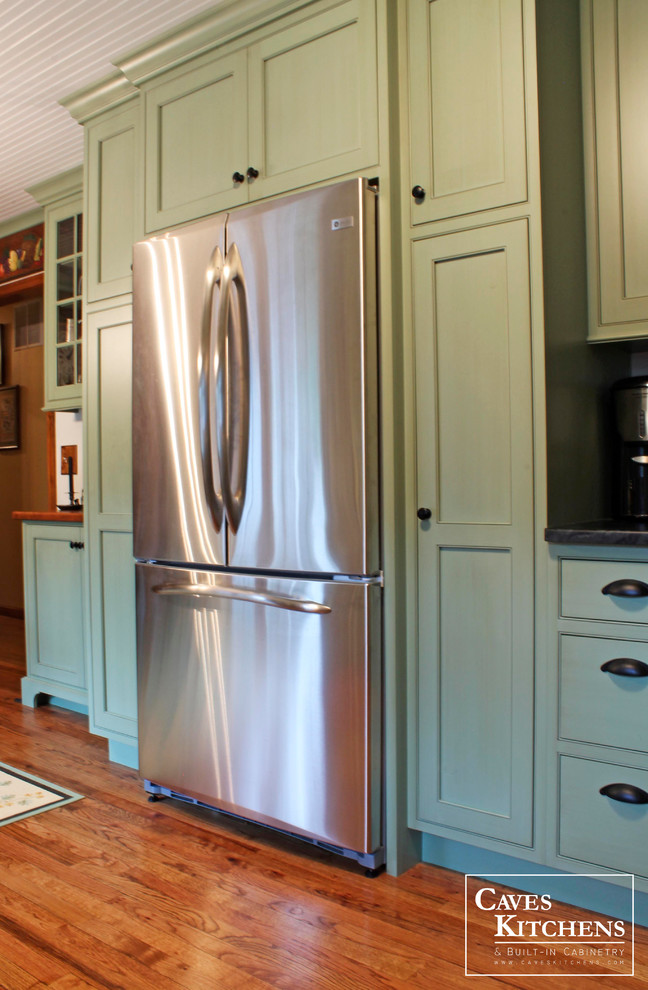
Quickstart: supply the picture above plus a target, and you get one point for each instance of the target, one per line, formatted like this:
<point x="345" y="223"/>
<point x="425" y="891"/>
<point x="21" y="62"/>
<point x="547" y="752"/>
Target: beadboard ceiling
<point x="48" y="50"/>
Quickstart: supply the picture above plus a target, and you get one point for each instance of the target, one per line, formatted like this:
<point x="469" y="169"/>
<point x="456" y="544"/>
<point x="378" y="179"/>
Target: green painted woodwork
<point x="312" y="97"/>
<point x="196" y="126"/>
<point x="582" y="583"/>
<point x="62" y="304"/>
<point x="113" y="201"/>
<point x="475" y="556"/>
<point x="595" y="828"/>
<point x="615" y="81"/>
<point x="597" y="706"/>
<point x="300" y="106"/>
<point x="109" y="521"/>
<point x="54" y="616"/>
<point x="467" y="105"/>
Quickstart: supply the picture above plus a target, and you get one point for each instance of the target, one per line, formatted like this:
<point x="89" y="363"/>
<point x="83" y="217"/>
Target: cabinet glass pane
<point x="79" y="275"/>
<point x="79" y="240"/>
<point x="65" y="366"/>
<point x="65" y="237"/>
<point x="65" y="280"/>
<point x="79" y="356"/>
<point x="64" y="323"/>
<point x="79" y="321"/>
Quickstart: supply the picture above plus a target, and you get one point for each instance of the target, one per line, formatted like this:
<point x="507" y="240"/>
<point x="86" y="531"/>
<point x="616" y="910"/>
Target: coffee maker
<point x="631" y="413"/>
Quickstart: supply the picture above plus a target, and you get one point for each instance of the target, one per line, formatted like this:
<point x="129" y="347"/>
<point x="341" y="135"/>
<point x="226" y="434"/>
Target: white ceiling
<point x="48" y="50"/>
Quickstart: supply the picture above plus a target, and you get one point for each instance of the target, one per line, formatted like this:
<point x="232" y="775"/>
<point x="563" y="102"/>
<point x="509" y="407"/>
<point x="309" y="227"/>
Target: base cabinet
<point x="598" y="796"/>
<point x="54" y="624"/>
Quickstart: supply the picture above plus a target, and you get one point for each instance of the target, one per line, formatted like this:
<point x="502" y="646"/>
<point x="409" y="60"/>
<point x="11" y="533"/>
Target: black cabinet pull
<point x="625" y="667"/>
<point x="424" y="513"/>
<point x="74" y="545"/>
<point x="238" y="177"/>
<point x="252" y="173"/>
<point x="418" y="192"/>
<point x="626" y="793"/>
<point x="626" y="588"/>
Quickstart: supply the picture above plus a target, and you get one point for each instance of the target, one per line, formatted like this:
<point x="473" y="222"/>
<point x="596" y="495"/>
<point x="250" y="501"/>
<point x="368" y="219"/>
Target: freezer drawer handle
<point x="243" y="595"/>
<point x="626" y="793"/>
<point x="626" y="667"/>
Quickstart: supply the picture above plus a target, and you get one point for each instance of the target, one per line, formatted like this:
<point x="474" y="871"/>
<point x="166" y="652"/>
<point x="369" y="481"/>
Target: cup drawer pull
<point x="626" y="793"/>
<point x="625" y="667"/>
<point x="626" y="588"/>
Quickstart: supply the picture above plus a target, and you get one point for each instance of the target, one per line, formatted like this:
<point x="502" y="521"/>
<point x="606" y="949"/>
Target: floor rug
<point x="22" y="794"/>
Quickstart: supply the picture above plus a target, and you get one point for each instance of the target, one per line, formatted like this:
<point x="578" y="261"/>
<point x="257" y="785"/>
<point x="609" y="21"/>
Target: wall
<point x="68" y="432"/>
<point x="23" y="472"/>
<point x="580" y="434"/>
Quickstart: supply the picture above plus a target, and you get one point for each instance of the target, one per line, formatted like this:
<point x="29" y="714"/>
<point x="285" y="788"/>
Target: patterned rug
<point x="21" y="795"/>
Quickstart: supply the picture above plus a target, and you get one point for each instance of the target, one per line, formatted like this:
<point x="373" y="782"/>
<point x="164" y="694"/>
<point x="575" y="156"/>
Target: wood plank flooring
<point x="115" y="893"/>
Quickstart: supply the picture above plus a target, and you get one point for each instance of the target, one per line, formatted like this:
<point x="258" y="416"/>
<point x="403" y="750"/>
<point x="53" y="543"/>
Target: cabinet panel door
<point x="474" y="745"/>
<point x="196" y="138"/>
<point x="313" y="99"/>
<point x="114" y="214"/>
<point x="109" y="520"/>
<point x="62" y="304"/>
<point x="54" y="604"/>
<point x="467" y="117"/>
<point x="615" y="77"/>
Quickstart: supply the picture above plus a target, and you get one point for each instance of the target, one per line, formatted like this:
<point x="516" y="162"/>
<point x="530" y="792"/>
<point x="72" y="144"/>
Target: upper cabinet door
<point x="196" y="141"/>
<point x="467" y="117"/>
<point x="63" y="304"/>
<point x="114" y="199"/>
<point x="615" y="96"/>
<point x="313" y="100"/>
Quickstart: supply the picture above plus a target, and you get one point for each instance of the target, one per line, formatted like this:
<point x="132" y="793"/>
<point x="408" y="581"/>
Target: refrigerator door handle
<point x="214" y="278"/>
<point x="211" y="592"/>
<point x="233" y="389"/>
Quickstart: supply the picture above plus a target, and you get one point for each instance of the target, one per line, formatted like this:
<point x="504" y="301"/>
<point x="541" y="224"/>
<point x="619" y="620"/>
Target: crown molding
<point x="52" y="190"/>
<point x="199" y="35"/>
<point x="105" y="94"/>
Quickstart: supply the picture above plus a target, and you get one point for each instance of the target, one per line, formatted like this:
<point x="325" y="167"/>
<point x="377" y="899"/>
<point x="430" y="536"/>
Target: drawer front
<point x="595" y="828"/>
<point x="598" y="706"/>
<point x="581" y="590"/>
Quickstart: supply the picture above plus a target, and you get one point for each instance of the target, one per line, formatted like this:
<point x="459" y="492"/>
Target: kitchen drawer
<point x="581" y="590"/>
<point x="597" y="706"/>
<point x="595" y="828"/>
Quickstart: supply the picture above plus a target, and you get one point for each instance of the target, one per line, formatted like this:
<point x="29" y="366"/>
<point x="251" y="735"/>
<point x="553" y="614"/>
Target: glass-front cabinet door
<point x="63" y="305"/>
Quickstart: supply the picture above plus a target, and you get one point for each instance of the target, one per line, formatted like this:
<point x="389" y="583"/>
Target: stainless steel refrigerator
<point x="256" y="503"/>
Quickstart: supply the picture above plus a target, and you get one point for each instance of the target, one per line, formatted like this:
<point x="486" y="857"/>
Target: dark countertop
<point x="601" y="532"/>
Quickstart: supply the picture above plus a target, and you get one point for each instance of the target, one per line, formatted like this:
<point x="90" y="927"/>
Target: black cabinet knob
<point x="418" y="192"/>
<point x="238" y="177"/>
<point x="252" y="173"/>
<point x="424" y="513"/>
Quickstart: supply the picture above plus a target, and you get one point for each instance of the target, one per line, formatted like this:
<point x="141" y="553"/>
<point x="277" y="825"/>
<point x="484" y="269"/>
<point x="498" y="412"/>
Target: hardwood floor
<point x="115" y="892"/>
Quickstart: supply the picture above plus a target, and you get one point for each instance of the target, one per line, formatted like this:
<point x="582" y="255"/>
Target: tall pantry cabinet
<point x="472" y="221"/>
<point x="113" y="220"/>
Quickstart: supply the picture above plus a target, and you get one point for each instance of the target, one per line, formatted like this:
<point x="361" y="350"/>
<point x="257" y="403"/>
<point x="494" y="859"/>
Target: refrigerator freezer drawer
<point x="261" y="696"/>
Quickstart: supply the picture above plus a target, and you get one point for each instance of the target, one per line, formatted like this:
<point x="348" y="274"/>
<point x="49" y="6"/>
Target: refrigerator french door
<point x="256" y="504"/>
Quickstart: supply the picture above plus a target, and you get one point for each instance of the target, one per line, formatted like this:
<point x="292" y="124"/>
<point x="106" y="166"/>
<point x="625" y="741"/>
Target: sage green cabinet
<point x="62" y="303"/>
<point x="614" y="40"/>
<point x="599" y="691"/>
<point x="113" y="200"/>
<point x="467" y="106"/>
<point x="109" y="525"/>
<point x="296" y="107"/>
<point x="54" y="614"/>
<point x="474" y="705"/>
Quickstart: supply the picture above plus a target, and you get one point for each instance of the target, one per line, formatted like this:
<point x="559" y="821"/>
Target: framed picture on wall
<point x="9" y="418"/>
